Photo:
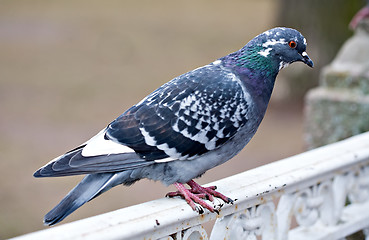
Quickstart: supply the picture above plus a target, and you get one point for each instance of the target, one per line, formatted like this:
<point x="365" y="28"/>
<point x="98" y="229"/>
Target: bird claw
<point x="173" y="194"/>
<point x="230" y="201"/>
<point x="199" y="209"/>
<point x="195" y="195"/>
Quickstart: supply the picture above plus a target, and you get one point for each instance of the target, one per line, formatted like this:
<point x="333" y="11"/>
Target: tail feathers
<point x="91" y="186"/>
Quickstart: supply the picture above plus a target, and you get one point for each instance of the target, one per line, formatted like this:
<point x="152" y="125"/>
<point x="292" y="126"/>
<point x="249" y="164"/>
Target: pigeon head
<point x="273" y="50"/>
<point x="284" y="45"/>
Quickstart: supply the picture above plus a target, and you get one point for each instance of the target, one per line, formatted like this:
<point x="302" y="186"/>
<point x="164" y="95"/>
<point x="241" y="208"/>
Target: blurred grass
<point x="67" y="68"/>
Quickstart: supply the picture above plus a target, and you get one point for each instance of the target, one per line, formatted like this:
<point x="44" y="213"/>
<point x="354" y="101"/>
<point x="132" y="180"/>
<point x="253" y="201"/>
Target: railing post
<point x="339" y="107"/>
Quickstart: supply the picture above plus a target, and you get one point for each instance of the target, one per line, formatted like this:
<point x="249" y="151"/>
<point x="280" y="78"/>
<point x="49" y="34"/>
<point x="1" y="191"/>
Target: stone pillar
<point x="339" y="107"/>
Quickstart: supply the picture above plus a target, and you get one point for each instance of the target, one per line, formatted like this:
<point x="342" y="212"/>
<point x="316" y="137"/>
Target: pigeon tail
<point x="90" y="187"/>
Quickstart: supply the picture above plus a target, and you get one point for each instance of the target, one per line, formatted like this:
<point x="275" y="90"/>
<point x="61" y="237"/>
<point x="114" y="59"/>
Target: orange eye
<point x="292" y="44"/>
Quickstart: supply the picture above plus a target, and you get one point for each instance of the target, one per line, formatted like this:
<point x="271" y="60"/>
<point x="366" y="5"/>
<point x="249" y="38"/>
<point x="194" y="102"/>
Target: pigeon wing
<point x="194" y="113"/>
<point x="187" y="117"/>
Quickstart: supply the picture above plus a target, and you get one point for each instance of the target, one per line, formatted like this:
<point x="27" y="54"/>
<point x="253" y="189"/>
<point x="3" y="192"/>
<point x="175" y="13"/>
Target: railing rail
<point x="325" y="190"/>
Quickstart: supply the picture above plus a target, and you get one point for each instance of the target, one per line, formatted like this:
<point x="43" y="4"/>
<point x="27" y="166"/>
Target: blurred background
<point x="68" y="68"/>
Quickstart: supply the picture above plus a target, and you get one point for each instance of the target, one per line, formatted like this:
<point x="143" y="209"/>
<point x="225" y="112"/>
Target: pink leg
<point x="196" y="194"/>
<point x="210" y="191"/>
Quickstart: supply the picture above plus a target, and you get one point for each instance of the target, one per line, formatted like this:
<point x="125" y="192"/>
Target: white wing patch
<point x="98" y="145"/>
<point x="172" y="152"/>
<point x="168" y="159"/>
<point x="217" y="62"/>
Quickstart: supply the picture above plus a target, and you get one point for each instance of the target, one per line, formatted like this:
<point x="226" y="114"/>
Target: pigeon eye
<point x="292" y="44"/>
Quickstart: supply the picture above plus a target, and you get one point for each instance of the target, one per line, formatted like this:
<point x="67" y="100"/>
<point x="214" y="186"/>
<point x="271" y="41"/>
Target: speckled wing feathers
<point x="187" y="117"/>
<point x="194" y="113"/>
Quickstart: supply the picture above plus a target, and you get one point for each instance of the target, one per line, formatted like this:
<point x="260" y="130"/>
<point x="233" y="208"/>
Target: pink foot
<point x="196" y="194"/>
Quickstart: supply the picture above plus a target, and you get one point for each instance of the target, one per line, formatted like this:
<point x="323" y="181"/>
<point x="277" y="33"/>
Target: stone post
<point x="339" y="107"/>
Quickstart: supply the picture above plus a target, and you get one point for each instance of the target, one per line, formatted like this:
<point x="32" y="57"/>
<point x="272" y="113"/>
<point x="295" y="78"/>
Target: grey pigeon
<point x="189" y="125"/>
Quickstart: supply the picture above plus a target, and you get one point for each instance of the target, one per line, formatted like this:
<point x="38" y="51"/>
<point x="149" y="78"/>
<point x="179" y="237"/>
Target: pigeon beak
<point x="305" y="59"/>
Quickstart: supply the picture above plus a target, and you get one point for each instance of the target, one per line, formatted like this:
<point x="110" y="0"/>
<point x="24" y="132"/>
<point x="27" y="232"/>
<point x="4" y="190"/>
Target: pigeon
<point x="187" y="126"/>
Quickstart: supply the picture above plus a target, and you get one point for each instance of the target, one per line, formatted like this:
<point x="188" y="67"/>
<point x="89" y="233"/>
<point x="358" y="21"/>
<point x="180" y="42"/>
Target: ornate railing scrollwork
<point x="192" y="233"/>
<point x="360" y="189"/>
<point x="325" y="190"/>
<point x="247" y="224"/>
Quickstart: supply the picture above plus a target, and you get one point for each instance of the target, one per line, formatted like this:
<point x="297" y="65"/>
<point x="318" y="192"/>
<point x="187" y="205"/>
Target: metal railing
<point x="323" y="192"/>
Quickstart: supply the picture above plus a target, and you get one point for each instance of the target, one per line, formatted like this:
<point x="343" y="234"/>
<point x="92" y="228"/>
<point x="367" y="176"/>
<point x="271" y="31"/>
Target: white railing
<point x="324" y="191"/>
